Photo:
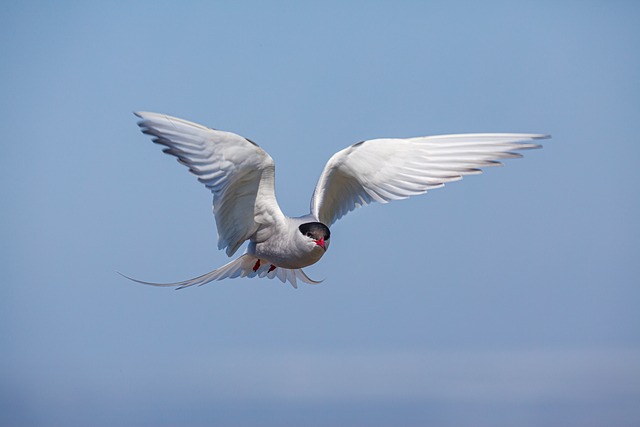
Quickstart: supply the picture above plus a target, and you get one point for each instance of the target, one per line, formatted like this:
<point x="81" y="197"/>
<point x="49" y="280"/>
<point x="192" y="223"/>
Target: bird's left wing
<point x="238" y="172"/>
<point x="382" y="170"/>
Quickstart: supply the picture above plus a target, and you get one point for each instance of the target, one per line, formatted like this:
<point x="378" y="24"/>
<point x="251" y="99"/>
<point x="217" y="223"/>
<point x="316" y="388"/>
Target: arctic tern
<point x="240" y="175"/>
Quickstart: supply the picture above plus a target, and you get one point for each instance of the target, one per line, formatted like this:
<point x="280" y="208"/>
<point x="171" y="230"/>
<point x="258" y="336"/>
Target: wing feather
<point x="236" y="170"/>
<point x="383" y="170"/>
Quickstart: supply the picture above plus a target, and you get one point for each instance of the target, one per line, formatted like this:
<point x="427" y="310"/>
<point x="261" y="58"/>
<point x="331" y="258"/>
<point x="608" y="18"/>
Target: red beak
<point x="320" y="243"/>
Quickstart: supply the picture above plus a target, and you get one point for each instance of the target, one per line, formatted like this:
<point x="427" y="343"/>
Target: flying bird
<point x="240" y="175"/>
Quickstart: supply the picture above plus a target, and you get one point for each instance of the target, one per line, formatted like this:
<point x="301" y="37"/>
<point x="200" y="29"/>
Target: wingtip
<point x="144" y="114"/>
<point x="537" y="137"/>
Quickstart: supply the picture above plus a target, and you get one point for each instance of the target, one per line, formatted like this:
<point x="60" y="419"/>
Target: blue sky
<point x="509" y="298"/>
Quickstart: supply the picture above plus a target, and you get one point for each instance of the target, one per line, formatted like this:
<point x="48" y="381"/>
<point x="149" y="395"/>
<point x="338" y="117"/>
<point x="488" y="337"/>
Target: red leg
<point x="273" y="267"/>
<point x="257" y="266"/>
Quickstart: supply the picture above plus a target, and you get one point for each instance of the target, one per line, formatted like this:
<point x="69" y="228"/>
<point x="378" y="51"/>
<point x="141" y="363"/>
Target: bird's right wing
<point x="238" y="172"/>
<point x="382" y="170"/>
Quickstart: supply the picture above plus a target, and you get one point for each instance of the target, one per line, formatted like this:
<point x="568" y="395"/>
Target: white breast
<point x="287" y="248"/>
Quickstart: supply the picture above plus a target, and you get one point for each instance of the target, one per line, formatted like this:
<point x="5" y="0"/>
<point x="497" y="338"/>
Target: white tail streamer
<point x="244" y="266"/>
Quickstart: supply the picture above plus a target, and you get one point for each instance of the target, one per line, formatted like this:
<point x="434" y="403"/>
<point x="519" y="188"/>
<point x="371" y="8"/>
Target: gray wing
<point x="238" y="172"/>
<point x="382" y="170"/>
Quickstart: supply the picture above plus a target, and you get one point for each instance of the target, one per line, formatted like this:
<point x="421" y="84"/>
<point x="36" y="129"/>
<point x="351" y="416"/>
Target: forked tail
<point x="245" y="266"/>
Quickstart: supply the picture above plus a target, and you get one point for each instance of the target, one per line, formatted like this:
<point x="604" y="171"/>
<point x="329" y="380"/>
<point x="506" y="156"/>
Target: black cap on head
<point x="315" y="230"/>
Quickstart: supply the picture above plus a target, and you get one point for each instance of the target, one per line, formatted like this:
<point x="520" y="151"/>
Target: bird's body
<point x="240" y="175"/>
<point x="287" y="247"/>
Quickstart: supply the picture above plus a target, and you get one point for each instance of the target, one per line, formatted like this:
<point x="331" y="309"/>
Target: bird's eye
<point x="309" y="235"/>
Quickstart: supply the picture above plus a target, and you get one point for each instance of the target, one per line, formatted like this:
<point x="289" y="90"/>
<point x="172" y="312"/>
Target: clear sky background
<point x="506" y="299"/>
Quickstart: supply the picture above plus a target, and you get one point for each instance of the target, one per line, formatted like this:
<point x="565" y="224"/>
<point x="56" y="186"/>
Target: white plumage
<point x="240" y="175"/>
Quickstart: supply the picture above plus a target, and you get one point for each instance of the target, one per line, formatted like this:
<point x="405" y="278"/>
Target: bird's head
<point x="316" y="232"/>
